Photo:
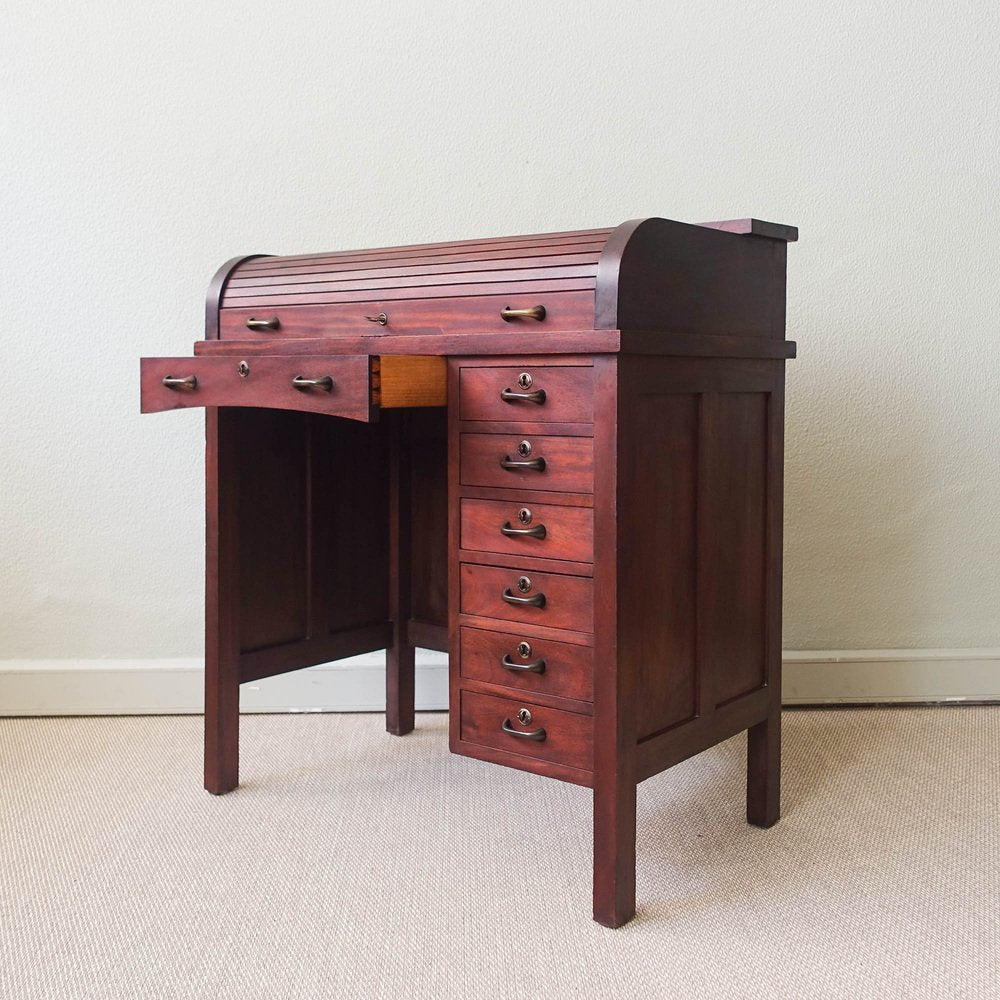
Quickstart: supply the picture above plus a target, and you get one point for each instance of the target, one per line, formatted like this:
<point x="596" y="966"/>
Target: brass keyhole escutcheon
<point x="524" y="449"/>
<point x="524" y="380"/>
<point x="524" y="717"/>
<point x="524" y="515"/>
<point x="524" y="650"/>
<point x="243" y="369"/>
<point x="523" y="584"/>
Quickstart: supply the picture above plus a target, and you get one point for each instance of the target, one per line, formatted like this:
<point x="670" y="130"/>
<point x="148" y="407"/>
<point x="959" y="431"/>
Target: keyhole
<point x="524" y="449"/>
<point x="524" y="650"/>
<point x="524" y="515"/>
<point x="524" y="380"/>
<point x="523" y="584"/>
<point x="524" y="717"/>
<point x="243" y="369"/>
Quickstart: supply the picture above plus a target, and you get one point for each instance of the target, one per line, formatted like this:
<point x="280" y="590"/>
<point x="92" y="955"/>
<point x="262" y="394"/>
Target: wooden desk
<point x="557" y="458"/>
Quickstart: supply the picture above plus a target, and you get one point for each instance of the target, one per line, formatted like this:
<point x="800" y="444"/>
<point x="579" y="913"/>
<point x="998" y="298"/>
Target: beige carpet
<point x="354" y="864"/>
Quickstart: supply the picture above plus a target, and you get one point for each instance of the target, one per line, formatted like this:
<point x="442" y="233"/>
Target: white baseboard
<point x="167" y="687"/>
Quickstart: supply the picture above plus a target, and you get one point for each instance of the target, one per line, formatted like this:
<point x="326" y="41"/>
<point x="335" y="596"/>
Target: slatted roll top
<point x="552" y="281"/>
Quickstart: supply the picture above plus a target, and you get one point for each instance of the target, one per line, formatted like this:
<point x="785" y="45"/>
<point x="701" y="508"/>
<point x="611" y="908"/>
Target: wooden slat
<point x="540" y="287"/>
<point x="505" y="243"/>
<point x="378" y="282"/>
<point x="358" y="271"/>
<point x="280" y="266"/>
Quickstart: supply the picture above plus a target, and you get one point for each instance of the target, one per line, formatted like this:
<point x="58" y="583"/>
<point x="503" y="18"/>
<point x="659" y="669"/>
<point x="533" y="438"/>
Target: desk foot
<point x="764" y="772"/>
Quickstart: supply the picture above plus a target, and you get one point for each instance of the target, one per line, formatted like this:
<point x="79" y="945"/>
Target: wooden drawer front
<point x="528" y="392"/>
<point x="568" y="737"/>
<point x="455" y="313"/>
<point x="568" y="462"/>
<point x="567" y="532"/>
<point x="267" y="383"/>
<point x="543" y="665"/>
<point x="568" y="600"/>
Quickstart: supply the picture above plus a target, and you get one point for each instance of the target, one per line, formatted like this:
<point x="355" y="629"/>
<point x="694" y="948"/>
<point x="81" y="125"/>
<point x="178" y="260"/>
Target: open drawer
<point x="354" y="386"/>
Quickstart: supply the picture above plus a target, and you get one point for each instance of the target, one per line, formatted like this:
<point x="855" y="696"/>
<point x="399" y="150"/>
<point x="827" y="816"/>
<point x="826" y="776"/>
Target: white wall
<point x="144" y="144"/>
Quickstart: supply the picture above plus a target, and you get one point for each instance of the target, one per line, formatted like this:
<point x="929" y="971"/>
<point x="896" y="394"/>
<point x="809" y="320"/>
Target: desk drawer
<point x="244" y="318"/>
<point x="530" y="597"/>
<point x="560" y="464"/>
<point x="542" y="666"/>
<point x="343" y="389"/>
<point x="546" y="733"/>
<point x="533" y="530"/>
<point x="528" y="392"/>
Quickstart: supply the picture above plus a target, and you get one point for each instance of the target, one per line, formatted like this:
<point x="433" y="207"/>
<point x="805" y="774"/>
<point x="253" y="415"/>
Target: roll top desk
<point x="557" y="457"/>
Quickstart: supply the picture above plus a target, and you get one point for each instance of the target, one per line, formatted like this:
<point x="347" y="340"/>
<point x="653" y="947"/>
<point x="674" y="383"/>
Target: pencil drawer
<point x="542" y="666"/>
<point x="546" y="531"/>
<point x="529" y="597"/>
<point x="340" y="386"/>
<point x="520" y="727"/>
<point x="531" y="461"/>
<point x="542" y="393"/>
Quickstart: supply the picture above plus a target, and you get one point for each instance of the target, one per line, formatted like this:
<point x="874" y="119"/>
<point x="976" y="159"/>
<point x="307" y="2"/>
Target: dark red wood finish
<point x="661" y="354"/>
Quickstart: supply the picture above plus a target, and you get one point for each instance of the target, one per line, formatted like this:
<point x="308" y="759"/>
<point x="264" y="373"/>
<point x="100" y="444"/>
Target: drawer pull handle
<point x="535" y="667"/>
<point x="509" y="396"/>
<point x="535" y="601"/>
<point x="538" y="531"/>
<point x="381" y="319"/>
<point x="524" y="734"/>
<point x="324" y="382"/>
<point x="263" y="324"/>
<point x="537" y="464"/>
<point x="189" y="383"/>
<point x="535" y="312"/>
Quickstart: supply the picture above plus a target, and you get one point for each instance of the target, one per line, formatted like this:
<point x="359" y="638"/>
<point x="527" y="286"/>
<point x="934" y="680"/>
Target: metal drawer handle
<point x="530" y="734"/>
<point x="535" y="601"/>
<point x="538" y="531"/>
<point x="535" y="312"/>
<point x="324" y="382"/>
<point x="191" y="382"/>
<point x="535" y="667"/>
<point x="509" y="396"/>
<point x="263" y="324"/>
<point x="538" y="464"/>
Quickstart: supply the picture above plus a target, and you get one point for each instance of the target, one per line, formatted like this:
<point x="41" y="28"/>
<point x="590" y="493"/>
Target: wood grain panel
<point x="272" y="487"/>
<point x="568" y="393"/>
<point x="732" y="537"/>
<point x="569" y="600"/>
<point x="568" y="736"/>
<point x="656" y="554"/>
<point x="569" y="462"/>
<point x="569" y="531"/>
<point x="349" y="515"/>
<point x="567" y="668"/>
<point x="427" y="441"/>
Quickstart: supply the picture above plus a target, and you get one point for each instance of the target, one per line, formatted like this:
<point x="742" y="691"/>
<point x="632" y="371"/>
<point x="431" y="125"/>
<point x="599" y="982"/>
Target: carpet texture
<point x="354" y="864"/>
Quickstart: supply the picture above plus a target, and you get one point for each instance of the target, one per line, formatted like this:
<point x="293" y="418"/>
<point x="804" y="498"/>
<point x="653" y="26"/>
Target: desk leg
<point x="614" y="850"/>
<point x="222" y="683"/>
<point x="764" y="772"/>
<point x="399" y="657"/>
